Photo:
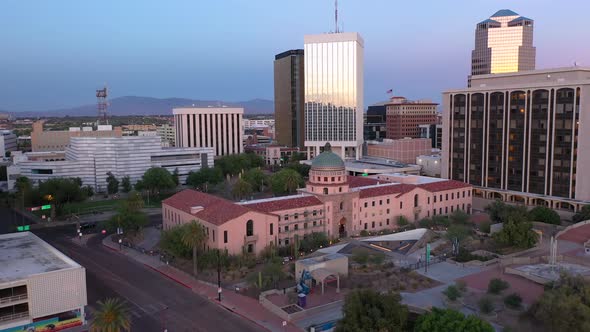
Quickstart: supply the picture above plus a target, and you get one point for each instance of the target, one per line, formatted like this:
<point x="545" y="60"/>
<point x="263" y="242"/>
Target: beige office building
<point x="218" y="127"/>
<point x="289" y="98"/>
<point x="334" y="93"/>
<point x="503" y="44"/>
<point x="521" y="137"/>
<point x="59" y="140"/>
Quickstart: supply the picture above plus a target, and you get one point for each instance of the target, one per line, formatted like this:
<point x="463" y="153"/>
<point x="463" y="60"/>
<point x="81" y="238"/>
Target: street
<point x="154" y="301"/>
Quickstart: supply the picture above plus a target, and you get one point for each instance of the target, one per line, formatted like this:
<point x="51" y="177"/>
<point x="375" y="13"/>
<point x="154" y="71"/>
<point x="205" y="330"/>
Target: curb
<point x="219" y="304"/>
<point x="168" y="276"/>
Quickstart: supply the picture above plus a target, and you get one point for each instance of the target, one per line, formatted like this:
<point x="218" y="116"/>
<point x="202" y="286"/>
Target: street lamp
<point x="120" y="241"/>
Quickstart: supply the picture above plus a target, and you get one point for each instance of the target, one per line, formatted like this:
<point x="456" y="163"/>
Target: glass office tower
<point x="334" y="93"/>
<point x="503" y="44"/>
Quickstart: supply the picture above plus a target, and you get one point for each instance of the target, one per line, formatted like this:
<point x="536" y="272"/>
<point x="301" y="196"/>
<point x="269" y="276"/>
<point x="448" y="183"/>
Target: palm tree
<point x="111" y="316"/>
<point x="292" y="179"/>
<point x="241" y="189"/>
<point x="193" y="237"/>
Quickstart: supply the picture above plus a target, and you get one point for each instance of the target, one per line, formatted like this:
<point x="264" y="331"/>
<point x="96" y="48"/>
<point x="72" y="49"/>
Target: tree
<point x="193" y="237"/>
<point x="60" y="191"/>
<point x="459" y="218"/>
<point x="171" y="241"/>
<point x="544" y="214"/>
<point x="241" y="189"/>
<point x="565" y="306"/>
<point x="130" y="221"/>
<point x="134" y="201"/>
<point x="402" y="222"/>
<point x="500" y="211"/>
<point x="452" y="293"/>
<point x="297" y="156"/>
<point x="112" y="184"/>
<point x="126" y="184"/>
<point x="88" y="191"/>
<point x="111" y="316"/>
<point x="204" y="177"/>
<point x="368" y="310"/>
<point x="175" y="177"/>
<point x="314" y="241"/>
<point x="582" y="215"/>
<point x="445" y="320"/>
<point x="256" y="178"/>
<point x="458" y="231"/>
<point x="157" y="179"/>
<point x="286" y="182"/>
<point x="516" y="232"/>
<point x="302" y="169"/>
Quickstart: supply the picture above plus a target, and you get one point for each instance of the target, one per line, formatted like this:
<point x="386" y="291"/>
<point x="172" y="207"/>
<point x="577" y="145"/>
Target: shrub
<point x="485" y="227"/>
<point x="452" y="293"/>
<point x="364" y="233"/>
<point x="466" y="256"/>
<point x="360" y="257"/>
<point x="513" y="301"/>
<point x="461" y="285"/>
<point x="485" y="305"/>
<point x="496" y="286"/>
<point x="544" y="214"/>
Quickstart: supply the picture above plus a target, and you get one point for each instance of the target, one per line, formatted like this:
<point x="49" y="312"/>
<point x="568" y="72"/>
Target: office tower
<point x="521" y="137"/>
<point x="220" y="128"/>
<point x="334" y="93"/>
<point x="404" y="117"/>
<point x="375" y="128"/>
<point x="59" y="140"/>
<point x="503" y="44"/>
<point x="289" y="98"/>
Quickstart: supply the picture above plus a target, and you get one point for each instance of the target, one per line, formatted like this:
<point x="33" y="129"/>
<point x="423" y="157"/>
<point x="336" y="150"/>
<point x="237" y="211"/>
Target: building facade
<point x="334" y="93"/>
<point x="375" y="128"/>
<point x="220" y="128"/>
<point x="272" y="154"/>
<point x="39" y="286"/>
<point x="332" y="202"/>
<point x="91" y="158"/>
<point x="403" y="150"/>
<point x="7" y="142"/>
<point x="431" y="165"/>
<point x="521" y="137"/>
<point x="59" y="140"/>
<point x="289" y="79"/>
<point x="168" y="135"/>
<point x="434" y="132"/>
<point x="404" y="117"/>
<point x="503" y="44"/>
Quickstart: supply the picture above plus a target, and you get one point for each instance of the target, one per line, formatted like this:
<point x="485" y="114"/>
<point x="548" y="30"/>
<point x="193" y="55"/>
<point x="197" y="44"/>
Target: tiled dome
<point x="327" y="160"/>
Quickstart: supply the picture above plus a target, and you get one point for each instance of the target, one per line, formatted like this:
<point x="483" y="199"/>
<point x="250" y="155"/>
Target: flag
<point x="390" y="91"/>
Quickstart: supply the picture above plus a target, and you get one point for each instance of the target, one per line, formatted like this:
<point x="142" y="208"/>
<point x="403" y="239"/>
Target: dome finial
<point x="327" y="147"/>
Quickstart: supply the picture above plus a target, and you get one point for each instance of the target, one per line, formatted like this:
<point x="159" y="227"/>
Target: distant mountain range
<point x="131" y="105"/>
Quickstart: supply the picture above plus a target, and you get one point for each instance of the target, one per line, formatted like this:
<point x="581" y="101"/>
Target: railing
<point x="14" y="298"/>
<point x="10" y="317"/>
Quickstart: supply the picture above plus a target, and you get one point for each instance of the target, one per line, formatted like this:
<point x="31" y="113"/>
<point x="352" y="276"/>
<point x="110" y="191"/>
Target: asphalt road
<point x="153" y="300"/>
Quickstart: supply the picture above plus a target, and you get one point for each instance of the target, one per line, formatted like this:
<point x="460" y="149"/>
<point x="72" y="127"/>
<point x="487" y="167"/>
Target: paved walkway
<point x="243" y="306"/>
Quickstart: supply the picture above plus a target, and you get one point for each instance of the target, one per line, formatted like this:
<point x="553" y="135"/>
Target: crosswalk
<point x="144" y="310"/>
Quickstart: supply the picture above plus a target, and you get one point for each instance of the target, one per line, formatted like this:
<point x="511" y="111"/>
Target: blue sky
<point x="56" y="53"/>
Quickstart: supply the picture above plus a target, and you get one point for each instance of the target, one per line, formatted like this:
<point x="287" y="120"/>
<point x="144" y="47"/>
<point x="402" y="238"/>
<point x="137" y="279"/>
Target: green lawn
<point x="88" y="206"/>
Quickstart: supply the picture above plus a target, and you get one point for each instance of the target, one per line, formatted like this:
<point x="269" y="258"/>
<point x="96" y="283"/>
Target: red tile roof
<point x="215" y="210"/>
<point x="386" y="190"/>
<point x="444" y="185"/>
<point x="285" y="204"/>
<point x="361" y="181"/>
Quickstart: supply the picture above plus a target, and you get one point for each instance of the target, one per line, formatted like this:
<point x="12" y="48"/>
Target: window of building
<point x="440" y="197"/>
<point x="286" y="242"/>
<point x="401" y="205"/>
<point x="416" y="200"/>
<point x="387" y="201"/>
<point x="463" y="194"/>
<point x="296" y="216"/>
<point x="452" y="195"/>
<point x="249" y="228"/>
<point x="452" y="208"/>
<point x="373" y="203"/>
<point x="314" y="224"/>
<point x="224" y="236"/>
<point x="372" y="224"/>
<point x="213" y="235"/>
<point x="304" y="225"/>
<point x="366" y="204"/>
<point x="380" y="202"/>
<point x="325" y="191"/>
<point x="296" y="227"/>
<point x="387" y="220"/>
<point x="428" y="200"/>
<point x="333" y="179"/>
<point x="250" y="248"/>
<point x="447" y="197"/>
<point x="286" y="217"/>
<point x="341" y="205"/>
<point x="339" y="189"/>
<point x="446" y="209"/>
<point x="314" y="212"/>
<point x="272" y="229"/>
<point x="287" y="228"/>
<point x="325" y="179"/>
<point x="365" y="225"/>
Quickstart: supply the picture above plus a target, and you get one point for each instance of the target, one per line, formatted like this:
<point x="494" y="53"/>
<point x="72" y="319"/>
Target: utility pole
<point x="218" y="275"/>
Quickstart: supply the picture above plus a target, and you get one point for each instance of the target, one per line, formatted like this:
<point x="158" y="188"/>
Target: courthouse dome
<point x="327" y="160"/>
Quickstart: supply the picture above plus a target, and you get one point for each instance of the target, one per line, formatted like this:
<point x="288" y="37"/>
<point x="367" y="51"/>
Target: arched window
<point x="341" y="205"/>
<point x="416" y="200"/>
<point x="249" y="228"/>
<point x="325" y="191"/>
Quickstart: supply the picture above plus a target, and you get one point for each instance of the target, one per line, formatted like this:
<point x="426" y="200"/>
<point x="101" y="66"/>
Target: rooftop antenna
<point x="336" y="16"/>
<point x="102" y="104"/>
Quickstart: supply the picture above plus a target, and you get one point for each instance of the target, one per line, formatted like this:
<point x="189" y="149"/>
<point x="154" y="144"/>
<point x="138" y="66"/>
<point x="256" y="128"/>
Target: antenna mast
<point x="102" y="104"/>
<point x="336" y="16"/>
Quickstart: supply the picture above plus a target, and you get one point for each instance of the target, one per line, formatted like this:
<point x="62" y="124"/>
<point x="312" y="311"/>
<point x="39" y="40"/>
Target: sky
<point x="55" y="54"/>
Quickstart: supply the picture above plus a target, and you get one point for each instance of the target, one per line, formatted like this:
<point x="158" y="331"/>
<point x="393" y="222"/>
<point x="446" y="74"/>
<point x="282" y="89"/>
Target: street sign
<point x="23" y="228"/>
<point x="46" y="207"/>
<point x="35" y="208"/>
<point x="365" y="174"/>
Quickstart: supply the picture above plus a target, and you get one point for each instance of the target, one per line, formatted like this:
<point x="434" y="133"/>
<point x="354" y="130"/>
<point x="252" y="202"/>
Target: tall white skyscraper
<point x="334" y="93"/>
<point x="503" y="44"/>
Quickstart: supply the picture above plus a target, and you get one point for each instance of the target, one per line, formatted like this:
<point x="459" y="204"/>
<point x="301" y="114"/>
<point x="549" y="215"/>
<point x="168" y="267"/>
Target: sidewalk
<point x="243" y="306"/>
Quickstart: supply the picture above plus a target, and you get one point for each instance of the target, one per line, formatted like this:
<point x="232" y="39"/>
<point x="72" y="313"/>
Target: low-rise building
<point x="402" y="150"/>
<point x="431" y="164"/>
<point x="272" y="154"/>
<point x="332" y="202"/>
<point x="168" y="135"/>
<point x="91" y="158"/>
<point x="404" y="117"/>
<point x="41" y="289"/>
<point x="7" y="142"/>
<point x="59" y="140"/>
